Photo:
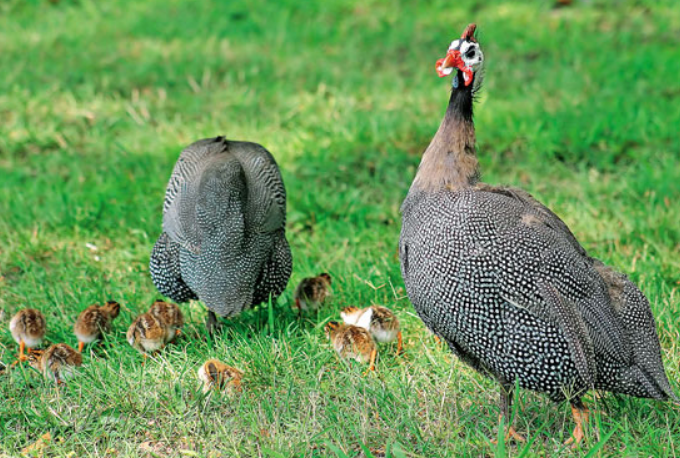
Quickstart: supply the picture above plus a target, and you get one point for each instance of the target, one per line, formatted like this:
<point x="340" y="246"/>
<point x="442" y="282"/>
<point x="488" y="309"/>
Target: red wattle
<point x="453" y="59"/>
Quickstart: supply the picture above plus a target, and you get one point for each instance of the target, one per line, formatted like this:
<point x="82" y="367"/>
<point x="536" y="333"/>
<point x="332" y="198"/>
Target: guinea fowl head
<point x="464" y="59"/>
<point x="112" y="307"/>
<point x="331" y="329"/>
<point x="450" y="160"/>
<point x="34" y="358"/>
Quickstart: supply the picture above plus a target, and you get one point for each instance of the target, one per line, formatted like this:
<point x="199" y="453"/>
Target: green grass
<point x="97" y="99"/>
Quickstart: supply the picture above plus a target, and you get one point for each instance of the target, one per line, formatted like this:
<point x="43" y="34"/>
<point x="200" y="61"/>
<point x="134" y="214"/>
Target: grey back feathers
<point x="223" y="238"/>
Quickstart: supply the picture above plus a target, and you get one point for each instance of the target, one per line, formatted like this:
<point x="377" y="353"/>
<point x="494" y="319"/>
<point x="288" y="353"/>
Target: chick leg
<point x="81" y="345"/>
<point x="371" y="365"/>
<point x="581" y="415"/>
<point x="400" y="344"/>
<point x="22" y="347"/>
<point x="506" y="404"/>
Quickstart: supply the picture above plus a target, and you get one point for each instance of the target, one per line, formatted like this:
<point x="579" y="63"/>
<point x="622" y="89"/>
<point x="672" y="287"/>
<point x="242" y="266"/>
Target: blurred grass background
<point x="97" y="99"/>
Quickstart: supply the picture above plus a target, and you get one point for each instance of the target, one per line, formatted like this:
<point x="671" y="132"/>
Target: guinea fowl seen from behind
<point x="501" y="278"/>
<point x="223" y="238"/>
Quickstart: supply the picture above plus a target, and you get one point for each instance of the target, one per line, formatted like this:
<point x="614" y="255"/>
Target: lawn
<point x="580" y="106"/>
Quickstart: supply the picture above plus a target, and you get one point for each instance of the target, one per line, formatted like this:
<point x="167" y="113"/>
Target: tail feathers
<point x="654" y="386"/>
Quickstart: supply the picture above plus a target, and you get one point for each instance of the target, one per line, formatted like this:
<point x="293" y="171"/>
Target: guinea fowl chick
<point x="94" y="321"/>
<point x="216" y="374"/>
<point x="28" y="328"/>
<point x="170" y="316"/>
<point x="380" y="321"/>
<point x="147" y="334"/>
<point x="312" y="292"/>
<point x="58" y="362"/>
<point x="352" y="342"/>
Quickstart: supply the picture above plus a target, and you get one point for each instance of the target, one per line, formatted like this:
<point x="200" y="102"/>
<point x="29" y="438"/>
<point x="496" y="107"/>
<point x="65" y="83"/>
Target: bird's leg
<point x="400" y="344"/>
<point x="81" y="345"/>
<point x="299" y="307"/>
<point x="506" y="404"/>
<point x="22" y="347"/>
<point x="581" y="415"/>
<point x="371" y="365"/>
<point x="212" y="323"/>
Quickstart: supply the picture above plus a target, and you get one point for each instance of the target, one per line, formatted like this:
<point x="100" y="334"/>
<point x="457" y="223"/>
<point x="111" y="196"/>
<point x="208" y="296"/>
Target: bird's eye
<point x="470" y="54"/>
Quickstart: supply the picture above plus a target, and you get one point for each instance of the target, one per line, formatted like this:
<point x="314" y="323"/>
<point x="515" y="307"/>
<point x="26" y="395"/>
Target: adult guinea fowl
<point x="505" y="283"/>
<point x="223" y="238"/>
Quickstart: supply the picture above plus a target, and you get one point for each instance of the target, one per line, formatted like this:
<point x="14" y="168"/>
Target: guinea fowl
<point x="312" y="292"/>
<point x="58" y="363"/>
<point x="505" y="283"/>
<point x="28" y="328"/>
<point x="380" y="321"/>
<point x="352" y="342"/>
<point x="215" y="374"/>
<point x="223" y="238"/>
<point x="148" y="334"/>
<point x="95" y="321"/>
<point x="170" y="316"/>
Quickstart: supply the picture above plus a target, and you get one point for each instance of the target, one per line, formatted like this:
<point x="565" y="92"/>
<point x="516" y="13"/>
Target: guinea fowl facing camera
<point x="505" y="283"/>
<point x="147" y="334"/>
<point x="223" y="238"/>
<point x="214" y="374"/>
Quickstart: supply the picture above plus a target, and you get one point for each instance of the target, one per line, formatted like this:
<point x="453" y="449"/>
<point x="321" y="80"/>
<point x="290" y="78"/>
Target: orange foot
<point x="581" y="416"/>
<point x="368" y="371"/>
<point x="371" y="366"/>
<point x="512" y="434"/>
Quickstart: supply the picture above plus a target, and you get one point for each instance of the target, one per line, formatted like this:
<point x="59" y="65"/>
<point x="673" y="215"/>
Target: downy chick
<point x="58" y="363"/>
<point x="28" y="328"/>
<point x="352" y="342"/>
<point x="380" y="321"/>
<point x="170" y="316"/>
<point x="312" y="292"/>
<point x="147" y="334"/>
<point x="216" y="374"/>
<point x="94" y="321"/>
